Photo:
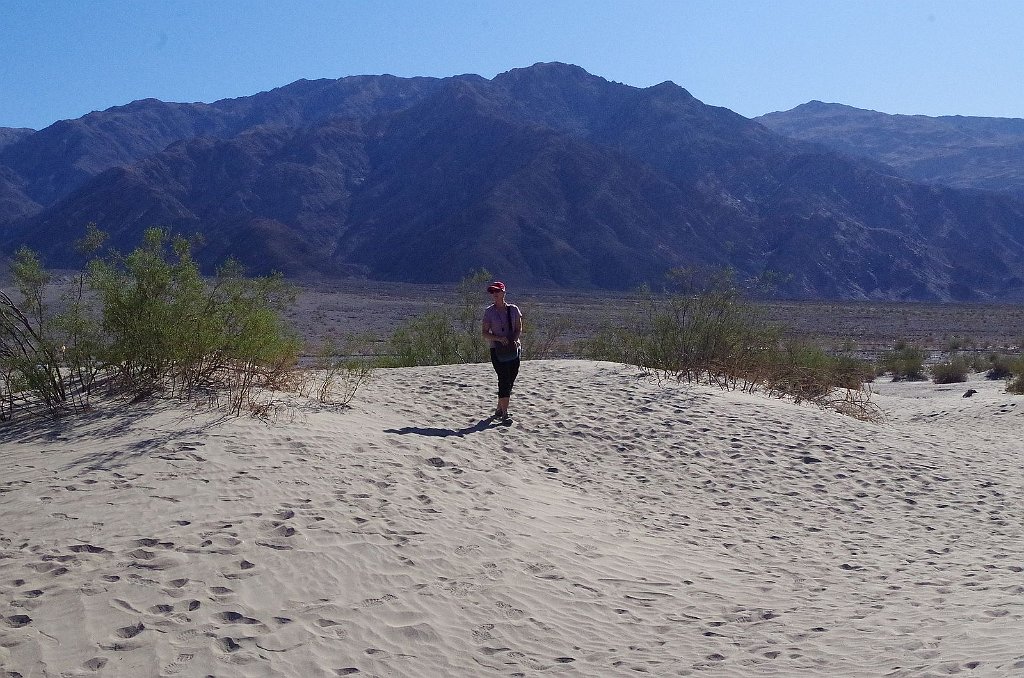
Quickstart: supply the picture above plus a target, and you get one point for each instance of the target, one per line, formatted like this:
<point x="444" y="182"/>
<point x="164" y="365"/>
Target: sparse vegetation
<point x="1003" y="366"/>
<point x="702" y="330"/>
<point x="952" y="371"/>
<point x="336" y="376"/>
<point x="544" y="334"/>
<point x="445" y="336"/>
<point x="905" y="362"/>
<point x="147" y="323"/>
<point x="956" y="344"/>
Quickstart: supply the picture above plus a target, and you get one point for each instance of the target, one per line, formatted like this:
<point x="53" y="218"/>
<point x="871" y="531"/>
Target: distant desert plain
<point x="377" y="308"/>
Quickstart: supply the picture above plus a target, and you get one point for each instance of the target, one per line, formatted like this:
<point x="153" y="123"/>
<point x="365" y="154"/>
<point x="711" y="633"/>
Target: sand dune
<point x="619" y="527"/>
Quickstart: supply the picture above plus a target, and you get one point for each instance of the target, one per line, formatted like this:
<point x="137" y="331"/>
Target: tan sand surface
<point x="619" y="527"/>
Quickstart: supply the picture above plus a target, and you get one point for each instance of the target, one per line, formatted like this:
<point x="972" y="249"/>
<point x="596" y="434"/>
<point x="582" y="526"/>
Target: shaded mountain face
<point x="957" y="151"/>
<point x="545" y="175"/>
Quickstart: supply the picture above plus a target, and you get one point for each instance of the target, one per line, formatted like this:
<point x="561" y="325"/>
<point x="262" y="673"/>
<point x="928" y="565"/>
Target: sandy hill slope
<point x="619" y="527"/>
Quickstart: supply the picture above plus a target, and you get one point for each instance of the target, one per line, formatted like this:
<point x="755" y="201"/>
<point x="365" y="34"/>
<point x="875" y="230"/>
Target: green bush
<point x="446" y="336"/>
<point x="32" y="354"/>
<point x="1001" y="366"/>
<point x="905" y="362"/>
<point x="808" y="372"/>
<point x="546" y="335"/>
<point x="952" y="371"/>
<point x="710" y="334"/>
<point x="432" y="339"/>
<point x="1016" y="385"/>
<point x="955" y="344"/>
<point x="143" y="322"/>
<point x="166" y="328"/>
<point x="692" y="333"/>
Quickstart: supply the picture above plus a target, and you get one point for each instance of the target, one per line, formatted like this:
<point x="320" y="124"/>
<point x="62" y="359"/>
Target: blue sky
<point x="64" y="58"/>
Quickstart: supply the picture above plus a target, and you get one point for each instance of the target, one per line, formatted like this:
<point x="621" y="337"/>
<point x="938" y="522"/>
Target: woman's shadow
<point x="481" y="425"/>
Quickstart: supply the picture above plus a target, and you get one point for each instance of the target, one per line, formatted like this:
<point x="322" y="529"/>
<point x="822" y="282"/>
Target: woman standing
<point x="502" y="327"/>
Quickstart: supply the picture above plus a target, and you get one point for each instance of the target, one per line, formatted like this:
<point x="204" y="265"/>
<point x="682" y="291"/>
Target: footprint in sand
<point x="123" y="634"/>
<point x="282" y="530"/>
<point x="509" y="611"/>
<point x="17" y="621"/>
<point x="227" y="644"/>
<point x="335" y="628"/>
<point x="244" y="566"/>
<point x="377" y="602"/>
<point x="180" y="662"/>
<point x="482" y="633"/>
<point x="187" y="635"/>
<point x="87" y="548"/>
<point x="272" y="545"/>
<point x="232" y="617"/>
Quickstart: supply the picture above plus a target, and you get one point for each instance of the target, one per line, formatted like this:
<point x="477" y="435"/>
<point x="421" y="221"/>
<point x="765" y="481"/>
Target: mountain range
<point x="546" y="176"/>
<point x="958" y="151"/>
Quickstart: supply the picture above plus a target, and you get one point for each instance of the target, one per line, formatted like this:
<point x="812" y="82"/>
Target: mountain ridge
<point x="956" y="151"/>
<point x="548" y="175"/>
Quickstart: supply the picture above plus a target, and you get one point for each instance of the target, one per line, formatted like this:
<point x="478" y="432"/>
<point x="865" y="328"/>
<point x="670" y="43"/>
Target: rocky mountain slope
<point x="547" y="176"/>
<point x="958" y="151"/>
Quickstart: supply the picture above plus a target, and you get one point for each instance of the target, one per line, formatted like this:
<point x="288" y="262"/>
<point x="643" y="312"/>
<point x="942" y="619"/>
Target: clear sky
<point x="64" y="58"/>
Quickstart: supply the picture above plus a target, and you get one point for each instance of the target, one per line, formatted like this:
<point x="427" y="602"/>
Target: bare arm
<point x="489" y="334"/>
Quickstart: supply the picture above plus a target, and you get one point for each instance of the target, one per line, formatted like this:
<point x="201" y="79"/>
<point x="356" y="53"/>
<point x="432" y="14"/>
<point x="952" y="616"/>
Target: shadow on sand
<point x="481" y="425"/>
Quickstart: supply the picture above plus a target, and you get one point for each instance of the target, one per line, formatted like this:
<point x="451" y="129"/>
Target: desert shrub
<point x="905" y="362"/>
<point x="431" y="339"/>
<point x="690" y="333"/>
<point x="1016" y="385"/>
<point x="446" y="336"/>
<point x="154" y="314"/>
<point x="952" y="371"/>
<point x="48" y="356"/>
<point x="143" y="322"/>
<point x="337" y="375"/>
<point x="1001" y="366"/>
<point x="544" y="335"/>
<point x="711" y="334"/>
<point x="166" y="328"/>
<point x="976" y="361"/>
<point x="807" y="372"/>
<point x="30" y="354"/>
<point x="955" y="344"/>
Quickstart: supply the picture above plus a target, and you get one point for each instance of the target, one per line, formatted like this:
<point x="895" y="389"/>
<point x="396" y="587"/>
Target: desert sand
<point x="619" y="527"/>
